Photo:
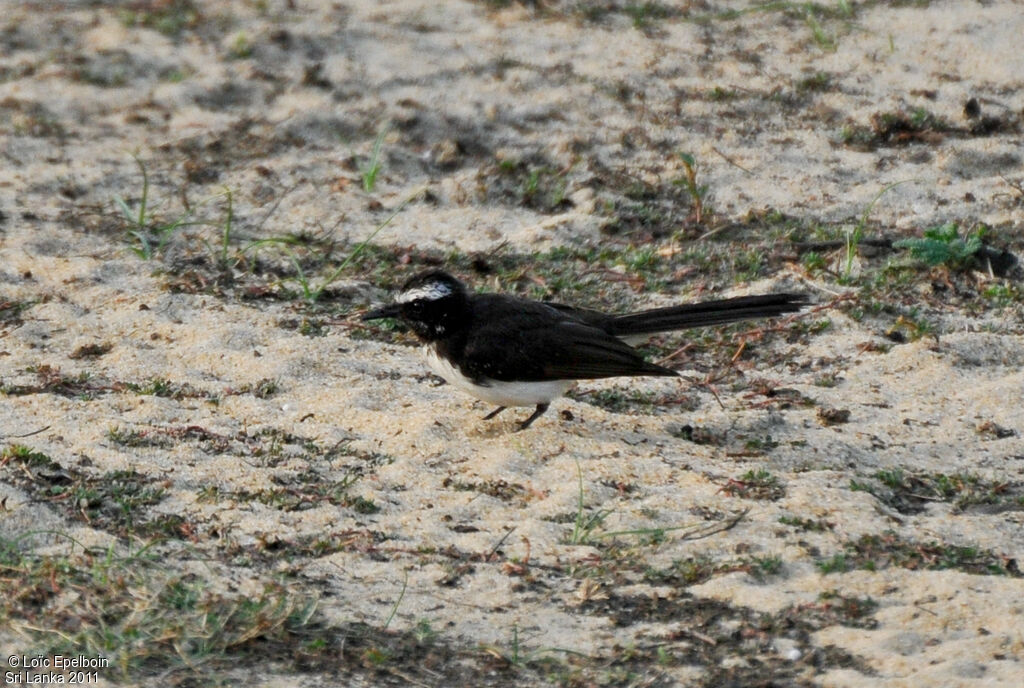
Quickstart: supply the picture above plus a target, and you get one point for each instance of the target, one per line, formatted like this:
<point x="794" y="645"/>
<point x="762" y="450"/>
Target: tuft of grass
<point x="10" y="311"/>
<point x="696" y="191"/>
<point x="373" y="165"/>
<point x="129" y="608"/>
<point x="755" y="484"/>
<point x="642" y="14"/>
<point x="148" y="239"/>
<point x="620" y="401"/>
<point x="943" y="245"/>
<point x="138" y="438"/>
<point x="51" y="380"/>
<point x="401" y="596"/>
<point x="27" y="456"/>
<point x="145" y="233"/>
<point x="169" y="17"/>
<point x="111" y="501"/>
<point x="876" y="552"/>
<point x="819" y="81"/>
<point x="91" y="350"/>
<point x="241" y="47"/>
<point x="821" y="37"/>
<point x="911" y="493"/>
<point x="806" y="524"/>
<point x="310" y="292"/>
<point x="585" y="524"/>
<point x="854" y="236"/>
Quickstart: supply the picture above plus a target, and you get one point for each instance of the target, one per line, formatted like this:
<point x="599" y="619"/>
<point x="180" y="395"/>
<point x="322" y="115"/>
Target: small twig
<point x="721" y="527"/>
<point x="715" y="230"/>
<point x="804" y="246"/>
<point x="28" y="434"/>
<point x="681" y="350"/>
<point x="394" y="609"/>
<point x="739" y="351"/>
<point x="709" y="387"/>
<point x="730" y="160"/>
<point x="699" y="636"/>
<point x="276" y="203"/>
<point x="504" y="537"/>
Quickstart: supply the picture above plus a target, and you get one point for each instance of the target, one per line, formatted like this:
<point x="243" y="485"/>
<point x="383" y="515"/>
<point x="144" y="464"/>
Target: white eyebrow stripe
<point x="431" y="292"/>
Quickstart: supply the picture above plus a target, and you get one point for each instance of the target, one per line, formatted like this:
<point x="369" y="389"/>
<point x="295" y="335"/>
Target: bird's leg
<point x="541" y="408"/>
<point x="493" y="413"/>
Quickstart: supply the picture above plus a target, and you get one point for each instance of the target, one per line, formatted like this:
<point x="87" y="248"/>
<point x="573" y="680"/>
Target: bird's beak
<point x="389" y="311"/>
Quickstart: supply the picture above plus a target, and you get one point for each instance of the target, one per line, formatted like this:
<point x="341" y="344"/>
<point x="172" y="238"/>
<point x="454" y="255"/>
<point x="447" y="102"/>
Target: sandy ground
<point x="521" y="129"/>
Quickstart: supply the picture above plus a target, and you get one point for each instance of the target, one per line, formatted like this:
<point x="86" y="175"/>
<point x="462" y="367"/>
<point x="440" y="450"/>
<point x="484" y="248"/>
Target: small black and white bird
<point x="512" y="351"/>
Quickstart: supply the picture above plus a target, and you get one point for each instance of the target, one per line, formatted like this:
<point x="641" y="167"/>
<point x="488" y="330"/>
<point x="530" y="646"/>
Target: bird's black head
<point x="432" y="303"/>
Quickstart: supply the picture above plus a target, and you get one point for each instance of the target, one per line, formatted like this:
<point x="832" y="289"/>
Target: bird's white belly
<point x="496" y="391"/>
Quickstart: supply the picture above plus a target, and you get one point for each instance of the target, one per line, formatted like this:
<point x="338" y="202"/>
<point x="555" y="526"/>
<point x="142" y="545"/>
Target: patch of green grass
<point x="262" y="389"/>
<point x="760" y="445"/>
<point x="585" y="524"/>
<point x="138" y="438"/>
<point x="143" y="617"/>
<point x="837" y="563"/>
<point x="696" y="191"/>
<point x="897" y="128"/>
<point x="147" y="235"/>
<point x="643" y="14"/>
<point x="373" y="165"/>
<point x="241" y="47"/>
<point x="856" y="136"/>
<point x="26" y="456"/>
<point x="10" y="311"/>
<point x="806" y="524"/>
<point x="855" y="234"/>
<point x="169" y="17"/>
<point x="755" y="484"/>
<point x="112" y="501"/>
<point x="618" y="400"/>
<point x="747" y="265"/>
<point x="683" y="572"/>
<point x="1004" y="294"/>
<point x="817" y="82"/>
<point x="943" y="245"/>
<point x="813" y="262"/>
<point x="911" y="493"/>
<point x="719" y="94"/>
<point x="162" y="387"/>
<point x="50" y="380"/>
<point x="813" y="14"/>
<point x="829" y="609"/>
<point x="762" y="567"/>
<point x="310" y="292"/>
<point x="500" y="489"/>
<point x="534" y="184"/>
<point x="826" y="380"/>
<point x="362" y="505"/>
<point x="876" y="552"/>
<point x="822" y="37"/>
<point x="303" y="492"/>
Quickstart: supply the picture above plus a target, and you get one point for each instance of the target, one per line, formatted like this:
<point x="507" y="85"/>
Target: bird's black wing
<point x="513" y="339"/>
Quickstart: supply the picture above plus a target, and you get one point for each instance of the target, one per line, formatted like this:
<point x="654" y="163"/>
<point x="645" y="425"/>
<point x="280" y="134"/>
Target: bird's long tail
<point x="705" y="314"/>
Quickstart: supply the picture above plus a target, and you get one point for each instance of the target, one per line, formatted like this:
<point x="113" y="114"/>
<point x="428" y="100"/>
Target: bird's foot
<point x="493" y="413"/>
<point x="541" y="408"/>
